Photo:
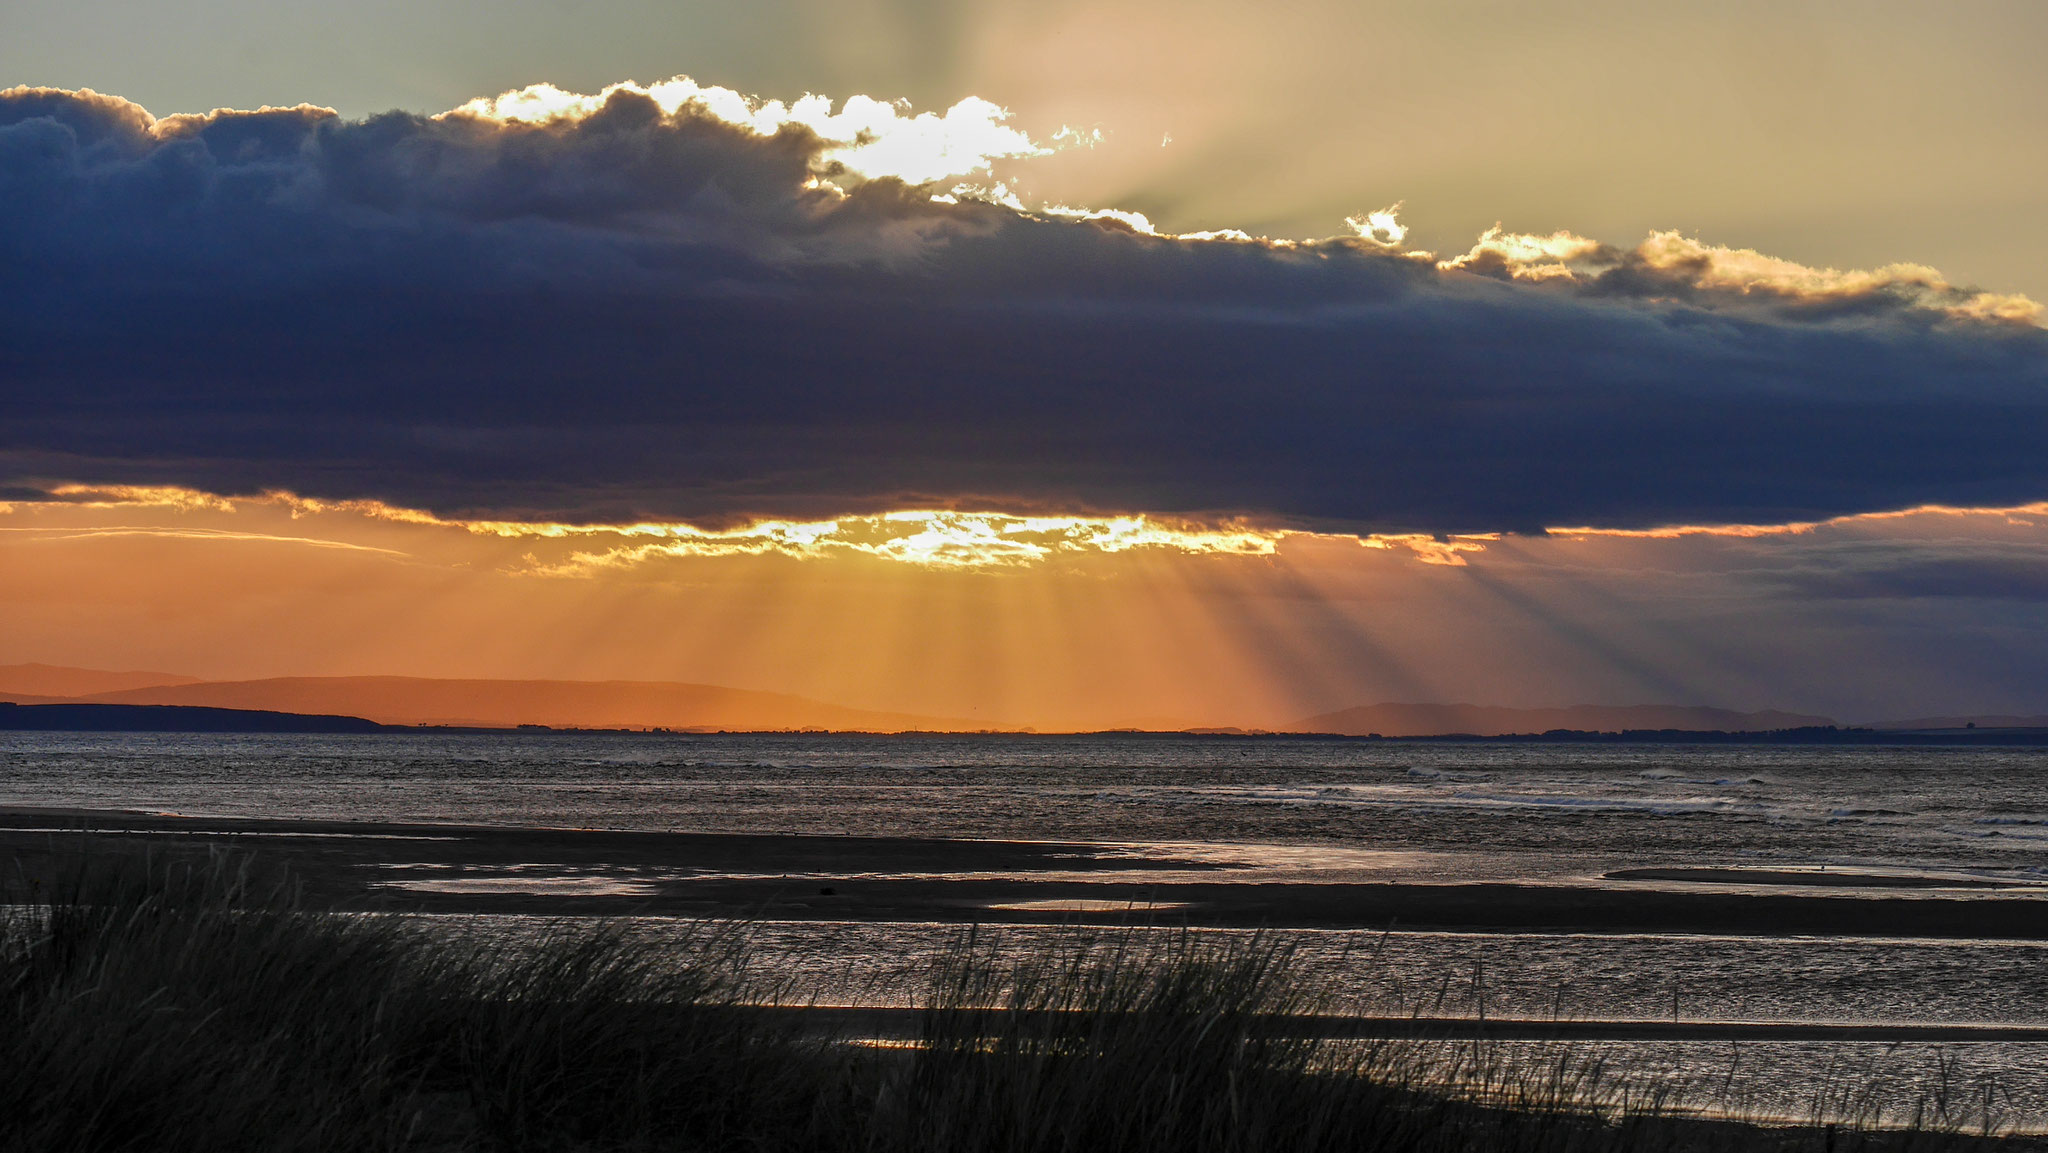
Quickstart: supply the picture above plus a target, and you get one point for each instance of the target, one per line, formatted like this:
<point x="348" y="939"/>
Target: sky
<point x="1850" y="133"/>
<point x="1070" y="365"/>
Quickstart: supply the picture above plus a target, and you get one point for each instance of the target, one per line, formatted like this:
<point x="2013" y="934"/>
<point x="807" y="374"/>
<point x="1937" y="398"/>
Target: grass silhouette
<point x="200" y="1006"/>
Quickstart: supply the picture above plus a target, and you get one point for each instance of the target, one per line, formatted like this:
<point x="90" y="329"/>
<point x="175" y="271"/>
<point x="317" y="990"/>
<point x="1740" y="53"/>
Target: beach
<point x="1746" y="926"/>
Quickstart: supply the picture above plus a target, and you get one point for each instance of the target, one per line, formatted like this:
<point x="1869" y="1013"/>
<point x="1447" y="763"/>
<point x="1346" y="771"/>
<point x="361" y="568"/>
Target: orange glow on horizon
<point x="984" y="619"/>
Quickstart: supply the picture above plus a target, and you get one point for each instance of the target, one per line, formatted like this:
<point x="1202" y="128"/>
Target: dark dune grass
<point x="190" y="1006"/>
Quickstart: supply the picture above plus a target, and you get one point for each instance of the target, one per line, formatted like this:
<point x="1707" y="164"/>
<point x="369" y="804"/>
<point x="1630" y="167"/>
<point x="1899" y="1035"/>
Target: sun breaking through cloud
<point x="868" y="138"/>
<point x="931" y="538"/>
<point x="676" y="304"/>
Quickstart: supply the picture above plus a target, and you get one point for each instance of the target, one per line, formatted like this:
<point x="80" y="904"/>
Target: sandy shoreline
<point x="489" y="869"/>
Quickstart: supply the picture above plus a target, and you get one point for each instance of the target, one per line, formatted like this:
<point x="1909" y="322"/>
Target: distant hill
<point x="504" y="704"/>
<point x="169" y="719"/>
<point x="1983" y="721"/>
<point x="1421" y="720"/>
<point x="37" y="680"/>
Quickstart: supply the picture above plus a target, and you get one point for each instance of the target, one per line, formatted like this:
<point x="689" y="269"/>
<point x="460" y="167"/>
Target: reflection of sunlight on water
<point x="1157" y="862"/>
<point x="1543" y="976"/>
<point x="1252" y="855"/>
<point x="1954" y="884"/>
<point x="1086" y="905"/>
<point x="538" y="886"/>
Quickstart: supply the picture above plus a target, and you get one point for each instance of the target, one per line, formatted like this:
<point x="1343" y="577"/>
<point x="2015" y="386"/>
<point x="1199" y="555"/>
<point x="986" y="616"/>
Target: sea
<point x="1954" y="820"/>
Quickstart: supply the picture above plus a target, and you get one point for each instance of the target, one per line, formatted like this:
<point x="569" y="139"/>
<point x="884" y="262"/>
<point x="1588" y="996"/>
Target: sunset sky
<point x="1065" y="365"/>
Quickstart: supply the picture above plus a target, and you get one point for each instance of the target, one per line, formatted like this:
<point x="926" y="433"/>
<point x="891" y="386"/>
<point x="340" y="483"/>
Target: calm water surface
<point x="1482" y="809"/>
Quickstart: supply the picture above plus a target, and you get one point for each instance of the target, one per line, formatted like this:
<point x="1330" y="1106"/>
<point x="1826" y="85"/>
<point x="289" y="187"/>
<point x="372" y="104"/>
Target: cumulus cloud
<point x="1671" y="266"/>
<point x="1382" y="226"/>
<point x="863" y="137"/>
<point x="679" y="304"/>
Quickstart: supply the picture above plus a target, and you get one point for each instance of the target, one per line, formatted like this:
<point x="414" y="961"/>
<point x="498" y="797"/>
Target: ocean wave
<point x="1656" y="806"/>
<point x="1674" y="776"/>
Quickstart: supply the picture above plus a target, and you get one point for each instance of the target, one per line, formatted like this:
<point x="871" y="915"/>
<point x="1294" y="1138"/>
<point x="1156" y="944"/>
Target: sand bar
<point x="451" y="868"/>
<point x="905" y="1023"/>
<point x="1821" y="878"/>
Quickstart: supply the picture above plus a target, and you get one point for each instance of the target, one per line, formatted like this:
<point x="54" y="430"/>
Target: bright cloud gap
<point x="941" y="539"/>
<point x="931" y="538"/>
<point x="869" y="138"/>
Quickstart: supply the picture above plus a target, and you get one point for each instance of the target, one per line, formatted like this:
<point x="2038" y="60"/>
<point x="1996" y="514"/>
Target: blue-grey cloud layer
<point x="647" y="315"/>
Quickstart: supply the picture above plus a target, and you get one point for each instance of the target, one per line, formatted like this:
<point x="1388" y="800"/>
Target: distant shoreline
<point x="118" y="718"/>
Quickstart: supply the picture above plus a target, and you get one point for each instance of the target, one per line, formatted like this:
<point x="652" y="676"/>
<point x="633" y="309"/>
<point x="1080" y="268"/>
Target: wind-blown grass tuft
<point x="1119" y="1042"/>
<point x="187" y="1006"/>
<point x="198" y="1006"/>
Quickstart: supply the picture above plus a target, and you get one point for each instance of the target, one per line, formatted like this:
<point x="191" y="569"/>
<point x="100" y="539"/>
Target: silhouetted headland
<point x="173" y="719"/>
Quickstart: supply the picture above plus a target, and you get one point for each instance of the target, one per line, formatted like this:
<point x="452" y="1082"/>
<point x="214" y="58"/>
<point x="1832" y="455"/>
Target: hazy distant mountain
<point x="502" y="704"/>
<point x="1984" y="721"/>
<point x="1391" y="720"/>
<point x="38" y="680"/>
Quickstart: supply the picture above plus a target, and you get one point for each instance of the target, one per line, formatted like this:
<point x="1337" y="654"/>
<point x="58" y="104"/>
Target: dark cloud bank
<point x="651" y="315"/>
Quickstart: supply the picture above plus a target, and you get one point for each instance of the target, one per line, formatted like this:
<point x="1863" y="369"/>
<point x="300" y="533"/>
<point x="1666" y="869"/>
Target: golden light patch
<point x="929" y="538"/>
<point x="1428" y="549"/>
<point x="936" y="539"/>
<point x="1798" y="528"/>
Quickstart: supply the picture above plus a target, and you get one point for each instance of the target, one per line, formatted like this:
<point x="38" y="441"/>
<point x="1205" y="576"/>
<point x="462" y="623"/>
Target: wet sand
<point x="1823" y="878"/>
<point x="904" y="1023"/>
<point x="473" y="869"/>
